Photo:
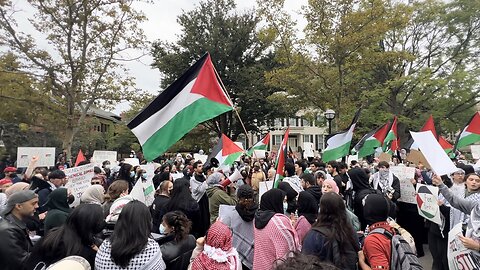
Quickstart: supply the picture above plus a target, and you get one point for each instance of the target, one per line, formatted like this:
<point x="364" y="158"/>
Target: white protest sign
<point x="202" y="158"/>
<point x="407" y="190"/>
<point x="177" y="175"/>
<point x="308" y="149"/>
<point x="434" y="153"/>
<point x="264" y="186"/>
<point x="427" y="203"/>
<point x="475" y="151"/>
<point x="79" y="180"/>
<point x="100" y="156"/>
<point x="259" y="153"/>
<point x="132" y="161"/>
<point x="46" y="156"/>
<point x="137" y="192"/>
<point x="148" y="188"/>
<point x="225" y="210"/>
<point x="459" y="257"/>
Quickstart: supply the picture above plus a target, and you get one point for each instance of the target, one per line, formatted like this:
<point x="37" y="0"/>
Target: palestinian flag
<point x="430" y="125"/>
<point x="226" y="151"/>
<point x="280" y="160"/>
<point x="448" y="147"/>
<point x="367" y="145"/>
<point x="260" y="146"/>
<point x="338" y="144"/>
<point x="470" y="133"/>
<point x="192" y="99"/>
<point x="390" y="144"/>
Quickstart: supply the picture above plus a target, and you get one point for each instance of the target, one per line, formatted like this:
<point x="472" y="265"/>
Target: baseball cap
<point x="10" y="169"/>
<point x="5" y="181"/>
<point x="16" y="198"/>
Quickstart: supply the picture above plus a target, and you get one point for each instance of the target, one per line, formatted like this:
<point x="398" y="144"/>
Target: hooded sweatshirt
<point x="58" y="209"/>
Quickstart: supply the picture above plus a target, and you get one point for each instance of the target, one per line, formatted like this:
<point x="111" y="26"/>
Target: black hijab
<point x="359" y="179"/>
<point x="271" y="203"/>
<point x="58" y="199"/>
<point x="307" y="206"/>
<point x="291" y="196"/>
<point x="375" y="208"/>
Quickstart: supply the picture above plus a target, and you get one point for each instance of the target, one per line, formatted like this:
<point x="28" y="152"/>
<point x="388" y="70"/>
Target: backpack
<point x="402" y="257"/>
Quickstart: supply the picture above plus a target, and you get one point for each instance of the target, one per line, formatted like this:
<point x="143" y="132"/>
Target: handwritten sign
<point x="475" y="151"/>
<point x="100" y="156"/>
<point x="427" y="205"/>
<point x="460" y="257"/>
<point x="407" y="190"/>
<point x="264" y="187"/>
<point x="308" y="148"/>
<point x="79" y="180"/>
<point x="46" y="156"/>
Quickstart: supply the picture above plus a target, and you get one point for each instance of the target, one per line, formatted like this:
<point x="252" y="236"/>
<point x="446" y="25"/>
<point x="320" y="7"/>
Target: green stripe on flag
<point x="336" y="153"/>
<point x="368" y="147"/>
<point x="230" y="159"/>
<point x="468" y="140"/>
<point x="199" y="111"/>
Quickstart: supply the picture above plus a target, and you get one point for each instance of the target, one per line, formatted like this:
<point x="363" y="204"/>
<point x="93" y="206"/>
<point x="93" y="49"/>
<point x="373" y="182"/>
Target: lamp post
<point x="329" y="115"/>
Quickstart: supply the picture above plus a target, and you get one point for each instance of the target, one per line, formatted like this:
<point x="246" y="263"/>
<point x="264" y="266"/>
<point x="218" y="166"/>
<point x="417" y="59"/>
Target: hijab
<point x="307" y="206"/>
<point x="291" y="196"/>
<point x="359" y="179"/>
<point x="270" y="204"/>
<point x="58" y="199"/>
<point x="218" y="252"/>
<point x="93" y="194"/>
<point x="245" y="212"/>
<point x="375" y="208"/>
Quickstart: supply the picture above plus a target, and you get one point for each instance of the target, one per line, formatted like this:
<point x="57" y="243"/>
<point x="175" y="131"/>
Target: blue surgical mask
<point x="161" y="229"/>
<point x="285" y="206"/>
<point x="132" y="174"/>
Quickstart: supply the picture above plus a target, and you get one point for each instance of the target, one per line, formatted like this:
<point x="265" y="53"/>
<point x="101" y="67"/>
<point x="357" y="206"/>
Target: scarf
<point x="270" y="204"/>
<point x="93" y="194"/>
<point x="307" y="206"/>
<point x="218" y="252"/>
<point x="384" y="179"/>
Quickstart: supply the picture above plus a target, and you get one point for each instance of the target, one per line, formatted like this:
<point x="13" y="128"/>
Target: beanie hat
<point x="5" y="181"/>
<point x="16" y="198"/>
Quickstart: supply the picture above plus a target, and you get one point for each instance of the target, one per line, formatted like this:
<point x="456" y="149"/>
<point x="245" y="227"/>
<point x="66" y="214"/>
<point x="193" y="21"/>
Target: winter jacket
<point x="217" y="196"/>
<point x="15" y="246"/>
<point x="176" y="255"/>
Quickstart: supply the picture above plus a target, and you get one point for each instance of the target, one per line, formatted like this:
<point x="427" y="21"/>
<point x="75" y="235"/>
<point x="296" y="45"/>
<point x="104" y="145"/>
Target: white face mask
<point x="107" y="166"/>
<point x="285" y="206"/>
<point x="161" y="229"/>
<point x="132" y="174"/>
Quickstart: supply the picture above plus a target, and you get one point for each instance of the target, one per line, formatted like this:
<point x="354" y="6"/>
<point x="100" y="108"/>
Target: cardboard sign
<point x="132" y="161"/>
<point x="434" y="153"/>
<point x="427" y="203"/>
<point x="385" y="157"/>
<point x="417" y="157"/>
<point x="264" y="186"/>
<point x="407" y="190"/>
<point x="79" y="180"/>
<point x="46" y="156"/>
<point x="459" y="257"/>
<point x="475" y="151"/>
<point x="308" y="149"/>
<point x="100" y="156"/>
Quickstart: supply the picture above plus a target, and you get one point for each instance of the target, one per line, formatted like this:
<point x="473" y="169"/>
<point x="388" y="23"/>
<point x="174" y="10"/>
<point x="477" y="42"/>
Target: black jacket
<point x="159" y="203"/>
<point x="177" y="255"/>
<point x="15" y="244"/>
<point x="316" y="192"/>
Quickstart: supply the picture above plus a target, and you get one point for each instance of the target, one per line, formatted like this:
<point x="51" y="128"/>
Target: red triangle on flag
<point x="207" y="84"/>
<point x="382" y="133"/>
<point x="266" y="140"/>
<point x="430" y="125"/>
<point x="229" y="147"/>
<point x="80" y="158"/>
<point x="444" y="143"/>
<point x="395" y="143"/>
<point x="474" y="125"/>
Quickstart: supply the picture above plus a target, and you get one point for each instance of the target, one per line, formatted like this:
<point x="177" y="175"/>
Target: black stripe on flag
<point x="168" y="94"/>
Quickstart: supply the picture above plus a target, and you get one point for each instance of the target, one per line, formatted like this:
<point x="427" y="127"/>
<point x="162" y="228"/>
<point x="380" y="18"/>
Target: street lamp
<point x="329" y="115"/>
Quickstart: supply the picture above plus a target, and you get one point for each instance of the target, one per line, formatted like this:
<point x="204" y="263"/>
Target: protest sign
<point x="475" y="151"/>
<point x="460" y="257"/>
<point x="132" y="161"/>
<point x="137" y="192"/>
<point x="148" y="188"/>
<point x="79" y="180"/>
<point x="407" y="190"/>
<point x="225" y="210"/>
<point x="385" y="157"/>
<point x="434" y="153"/>
<point x="202" y="158"/>
<point x="417" y="157"/>
<point x="46" y="156"/>
<point x="264" y="186"/>
<point x="177" y="175"/>
<point x="427" y="203"/>
<point x="308" y="149"/>
<point x="100" y="156"/>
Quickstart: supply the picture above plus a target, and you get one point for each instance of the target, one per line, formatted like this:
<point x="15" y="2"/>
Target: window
<point x="276" y="139"/>
<point x="320" y="142"/>
<point x="308" y="138"/>
<point x="305" y="123"/>
<point x="292" y="122"/>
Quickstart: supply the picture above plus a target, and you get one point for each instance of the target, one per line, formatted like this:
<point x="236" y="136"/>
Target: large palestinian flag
<point x="470" y="133"/>
<point x="192" y="99"/>
<point x="374" y="139"/>
<point x="281" y="159"/>
<point x="338" y="144"/>
<point x="259" y="147"/>
<point x="390" y="144"/>
<point x="448" y="147"/>
<point x="226" y="151"/>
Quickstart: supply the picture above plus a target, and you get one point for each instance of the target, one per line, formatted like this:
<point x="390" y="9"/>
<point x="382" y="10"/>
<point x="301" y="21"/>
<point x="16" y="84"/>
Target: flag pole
<point x="235" y="109"/>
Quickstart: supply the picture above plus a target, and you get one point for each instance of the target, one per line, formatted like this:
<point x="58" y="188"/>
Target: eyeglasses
<point x="96" y="183"/>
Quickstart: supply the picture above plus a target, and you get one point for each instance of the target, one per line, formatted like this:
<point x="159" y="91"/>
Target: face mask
<point x="162" y="229"/>
<point x="70" y="199"/>
<point x="285" y="206"/>
<point x="132" y="174"/>
<point x="107" y="166"/>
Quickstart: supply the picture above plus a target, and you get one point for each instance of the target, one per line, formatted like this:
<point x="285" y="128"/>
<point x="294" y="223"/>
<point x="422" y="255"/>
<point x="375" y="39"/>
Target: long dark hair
<point x="82" y="224"/>
<point x="180" y="224"/>
<point x="333" y="215"/>
<point x="131" y="232"/>
<point x="124" y="172"/>
<point x="181" y="198"/>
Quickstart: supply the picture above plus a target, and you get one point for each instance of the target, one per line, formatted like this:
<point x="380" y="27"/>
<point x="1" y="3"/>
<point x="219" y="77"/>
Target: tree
<point x="81" y="65"/>
<point x="237" y="53"/>
<point x="393" y="58"/>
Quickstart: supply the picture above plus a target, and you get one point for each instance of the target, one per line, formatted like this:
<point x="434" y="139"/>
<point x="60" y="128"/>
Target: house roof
<point x="97" y="112"/>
